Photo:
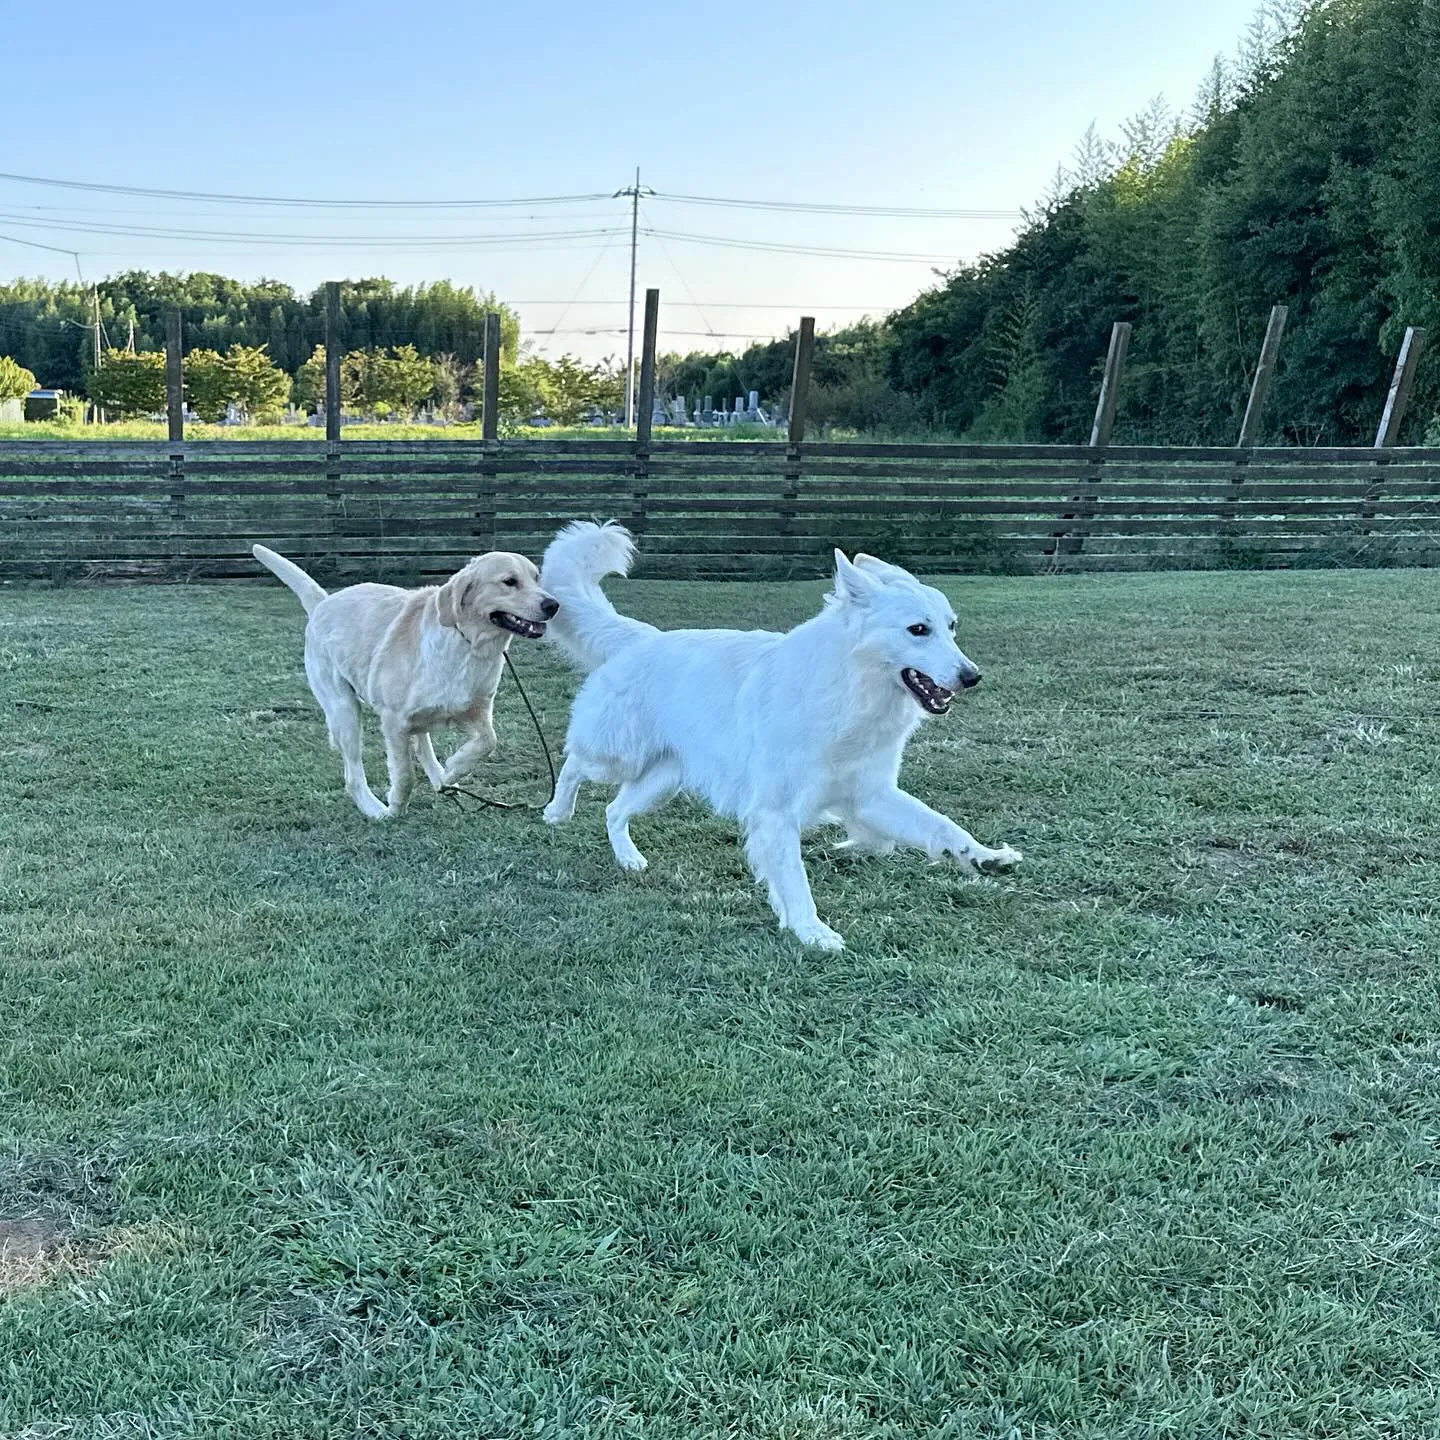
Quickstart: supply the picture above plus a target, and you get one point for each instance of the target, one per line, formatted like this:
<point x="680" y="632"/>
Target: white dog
<point x="419" y="659"/>
<point x="782" y="732"/>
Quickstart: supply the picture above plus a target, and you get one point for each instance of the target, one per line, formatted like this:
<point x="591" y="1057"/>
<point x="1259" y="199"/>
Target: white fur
<point x="782" y="732"/>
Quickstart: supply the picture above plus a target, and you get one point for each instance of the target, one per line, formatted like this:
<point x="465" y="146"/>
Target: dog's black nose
<point x="970" y="681"/>
<point x="548" y="607"/>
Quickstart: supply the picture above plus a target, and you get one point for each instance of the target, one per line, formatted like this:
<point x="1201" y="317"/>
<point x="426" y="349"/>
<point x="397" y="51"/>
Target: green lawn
<point x="156" y="432"/>
<point x="448" y="1128"/>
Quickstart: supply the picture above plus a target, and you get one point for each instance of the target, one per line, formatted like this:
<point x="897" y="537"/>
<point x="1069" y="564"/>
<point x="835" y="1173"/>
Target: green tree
<point x="383" y="382"/>
<point x="207" y="384"/>
<point x="573" y="389"/>
<point x="16" y="382"/>
<point x="308" y="390"/>
<point x="257" y="385"/>
<point x="243" y="377"/>
<point x="525" y="390"/>
<point x="452" y="381"/>
<point x="409" y="378"/>
<point x="127" y="384"/>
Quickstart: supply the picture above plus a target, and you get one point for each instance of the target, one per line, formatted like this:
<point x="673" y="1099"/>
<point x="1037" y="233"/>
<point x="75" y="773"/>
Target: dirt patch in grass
<point x="33" y="1250"/>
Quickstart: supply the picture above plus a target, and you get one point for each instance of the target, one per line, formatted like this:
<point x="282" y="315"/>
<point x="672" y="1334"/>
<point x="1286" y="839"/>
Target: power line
<point x="58" y="250"/>
<point x="777" y="247"/>
<point x="274" y="237"/>
<point x="798" y="309"/>
<point x="36" y="245"/>
<point x="229" y="199"/>
<point x="897" y="212"/>
<point x="817" y="207"/>
<point x="663" y="330"/>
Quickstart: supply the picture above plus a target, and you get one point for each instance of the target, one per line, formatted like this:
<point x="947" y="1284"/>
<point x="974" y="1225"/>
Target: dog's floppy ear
<point x="851" y="585"/>
<point x="450" y="598"/>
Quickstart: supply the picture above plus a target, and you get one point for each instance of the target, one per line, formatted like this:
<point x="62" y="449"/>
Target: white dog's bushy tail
<point x="310" y="593"/>
<point x="588" y="627"/>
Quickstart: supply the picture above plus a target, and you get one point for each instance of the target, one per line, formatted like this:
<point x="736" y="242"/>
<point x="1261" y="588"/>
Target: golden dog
<point x="418" y="658"/>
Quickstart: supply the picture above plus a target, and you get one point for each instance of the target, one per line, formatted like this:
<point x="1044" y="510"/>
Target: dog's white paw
<point x="991" y="862"/>
<point x="631" y="860"/>
<point x="554" y="814"/>
<point x="820" y="935"/>
<point x="371" y="806"/>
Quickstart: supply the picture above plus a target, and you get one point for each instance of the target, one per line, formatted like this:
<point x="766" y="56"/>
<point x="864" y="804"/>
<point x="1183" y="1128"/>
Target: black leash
<point x="457" y="793"/>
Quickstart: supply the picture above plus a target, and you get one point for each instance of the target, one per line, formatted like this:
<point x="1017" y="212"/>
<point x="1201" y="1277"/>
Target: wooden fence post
<point x="1403" y="382"/>
<point x="1110" y="385"/>
<point x="1397" y="401"/>
<point x="334" y="496"/>
<point x="490" y="395"/>
<point x="645" y="411"/>
<point x="174" y="378"/>
<point x="800" y="385"/>
<point x="799" y="398"/>
<point x="332" y="362"/>
<point x="486" y="515"/>
<point x="1227" y="512"/>
<point x="175" y="414"/>
<point x="1071" y="541"/>
<point x="1264" y="374"/>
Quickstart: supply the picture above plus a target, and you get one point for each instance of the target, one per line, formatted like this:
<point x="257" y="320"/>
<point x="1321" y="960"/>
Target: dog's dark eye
<point x="919" y="629"/>
<point x="513" y="583"/>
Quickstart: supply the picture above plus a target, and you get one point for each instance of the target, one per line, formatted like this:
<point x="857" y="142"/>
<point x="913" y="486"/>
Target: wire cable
<point x="897" y="212"/>
<point x="776" y="247"/>
<point x="231" y="199"/>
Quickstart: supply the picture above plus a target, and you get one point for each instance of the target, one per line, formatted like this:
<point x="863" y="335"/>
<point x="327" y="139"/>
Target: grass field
<point x="312" y="1127"/>
<point x="156" y="433"/>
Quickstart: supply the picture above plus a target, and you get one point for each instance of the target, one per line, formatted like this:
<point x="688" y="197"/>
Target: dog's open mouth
<point x="517" y="624"/>
<point x="935" y="698"/>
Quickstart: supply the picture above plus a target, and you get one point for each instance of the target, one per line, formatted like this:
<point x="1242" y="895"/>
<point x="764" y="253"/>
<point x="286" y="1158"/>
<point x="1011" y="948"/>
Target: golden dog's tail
<point x="309" y="592"/>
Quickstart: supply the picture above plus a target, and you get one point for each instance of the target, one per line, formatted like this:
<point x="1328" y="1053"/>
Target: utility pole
<point x="634" y="192"/>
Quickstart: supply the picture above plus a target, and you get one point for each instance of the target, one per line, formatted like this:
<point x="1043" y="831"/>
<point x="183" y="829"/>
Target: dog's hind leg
<point x="651" y="788"/>
<point x="773" y="849"/>
<point x="342" y="718"/>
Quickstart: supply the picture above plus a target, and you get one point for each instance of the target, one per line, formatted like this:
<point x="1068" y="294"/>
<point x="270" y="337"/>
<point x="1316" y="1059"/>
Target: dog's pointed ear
<point x="852" y="586"/>
<point x="880" y="570"/>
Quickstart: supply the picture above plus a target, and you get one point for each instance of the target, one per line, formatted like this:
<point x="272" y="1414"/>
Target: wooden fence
<point x="410" y="510"/>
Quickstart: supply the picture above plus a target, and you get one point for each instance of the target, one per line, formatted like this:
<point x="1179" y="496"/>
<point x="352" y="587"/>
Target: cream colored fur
<point x="418" y="658"/>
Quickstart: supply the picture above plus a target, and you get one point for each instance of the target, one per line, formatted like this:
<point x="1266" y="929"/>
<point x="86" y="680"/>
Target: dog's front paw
<point x="995" y="862"/>
<point x="820" y="935"/>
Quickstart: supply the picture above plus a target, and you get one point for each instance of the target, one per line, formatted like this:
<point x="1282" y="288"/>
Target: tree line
<point x="384" y="383"/>
<point x="47" y="326"/>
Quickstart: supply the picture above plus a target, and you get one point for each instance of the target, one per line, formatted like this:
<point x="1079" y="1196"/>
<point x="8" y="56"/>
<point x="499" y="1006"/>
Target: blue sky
<point x="919" y="104"/>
